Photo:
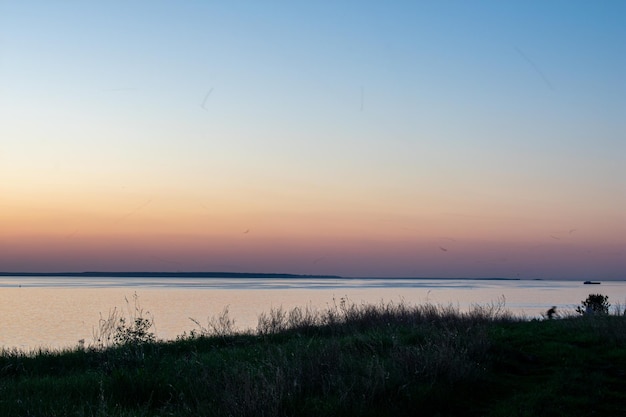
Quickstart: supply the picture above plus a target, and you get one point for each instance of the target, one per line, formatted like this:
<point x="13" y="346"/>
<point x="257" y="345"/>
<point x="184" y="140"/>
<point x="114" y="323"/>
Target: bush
<point x="118" y="330"/>
<point x="136" y="331"/>
<point x="594" y="304"/>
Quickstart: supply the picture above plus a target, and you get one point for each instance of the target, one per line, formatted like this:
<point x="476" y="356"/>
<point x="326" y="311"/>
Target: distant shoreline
<point x="145" y="274"/>
<point x="101" y="274"/>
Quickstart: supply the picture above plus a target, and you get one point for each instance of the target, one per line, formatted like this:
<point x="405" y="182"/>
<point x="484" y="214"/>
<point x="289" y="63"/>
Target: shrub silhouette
<point x="137" y="331"/>
<point x="594" y="304"/>
<point x="119" y="330"/>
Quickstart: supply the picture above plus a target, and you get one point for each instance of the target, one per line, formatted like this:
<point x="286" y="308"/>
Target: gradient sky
<point x="360" y="138"/>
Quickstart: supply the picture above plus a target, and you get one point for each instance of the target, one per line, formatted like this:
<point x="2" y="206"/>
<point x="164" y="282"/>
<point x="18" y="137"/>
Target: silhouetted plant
<point x="594" y="304"/>
<point x="220" y="326"/>
<point x="136" y="331"/>
<point x="119" y="330"/>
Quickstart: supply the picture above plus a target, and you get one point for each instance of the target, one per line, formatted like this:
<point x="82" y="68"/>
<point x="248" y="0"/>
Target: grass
<point x="348" y="360"/>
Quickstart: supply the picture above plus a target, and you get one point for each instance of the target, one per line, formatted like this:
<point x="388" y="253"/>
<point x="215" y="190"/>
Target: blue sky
<point x="320" y="124"/>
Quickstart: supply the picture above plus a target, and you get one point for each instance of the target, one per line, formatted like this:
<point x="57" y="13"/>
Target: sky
<point x="357" y="138"/>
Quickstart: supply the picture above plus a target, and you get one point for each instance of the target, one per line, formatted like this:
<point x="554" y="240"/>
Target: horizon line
<point x="223" y="274"/>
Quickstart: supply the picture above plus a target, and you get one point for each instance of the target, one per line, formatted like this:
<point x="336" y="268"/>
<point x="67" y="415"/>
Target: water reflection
<point x="247" y="283"/>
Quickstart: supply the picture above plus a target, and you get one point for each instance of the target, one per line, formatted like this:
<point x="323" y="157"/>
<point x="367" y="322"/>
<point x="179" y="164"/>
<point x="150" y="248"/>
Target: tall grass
<point x="349" y="359"/>
<point x="134" y="327"/>
<point x="347" y="316"/>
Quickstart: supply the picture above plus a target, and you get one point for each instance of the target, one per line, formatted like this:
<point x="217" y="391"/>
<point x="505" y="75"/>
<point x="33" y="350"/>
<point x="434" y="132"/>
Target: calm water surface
<point x="58" y="311"/>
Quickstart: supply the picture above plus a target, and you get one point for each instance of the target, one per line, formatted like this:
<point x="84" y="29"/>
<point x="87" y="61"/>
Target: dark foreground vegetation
<point x="350" y="360"/>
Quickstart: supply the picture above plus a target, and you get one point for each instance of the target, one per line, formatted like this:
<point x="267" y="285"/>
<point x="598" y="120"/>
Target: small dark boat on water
<point x="591" y="282"/>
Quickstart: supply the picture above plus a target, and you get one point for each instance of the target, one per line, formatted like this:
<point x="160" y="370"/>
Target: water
<point x="56" y="312"/>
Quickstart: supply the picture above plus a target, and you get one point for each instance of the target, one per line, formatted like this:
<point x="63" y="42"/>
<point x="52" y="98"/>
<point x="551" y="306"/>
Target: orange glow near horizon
<point x="146" y="216"/>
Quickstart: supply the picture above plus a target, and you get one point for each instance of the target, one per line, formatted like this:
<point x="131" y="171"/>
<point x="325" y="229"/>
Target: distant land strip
<point x="100" y="274"/>
<point x="144" y="274"/>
